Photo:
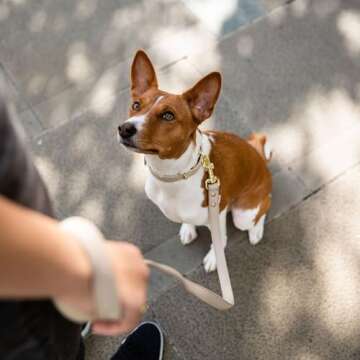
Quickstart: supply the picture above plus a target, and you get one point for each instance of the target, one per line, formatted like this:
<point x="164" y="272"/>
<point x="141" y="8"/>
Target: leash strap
<point x="218" y="244"/>
<point x="202" y="293"/>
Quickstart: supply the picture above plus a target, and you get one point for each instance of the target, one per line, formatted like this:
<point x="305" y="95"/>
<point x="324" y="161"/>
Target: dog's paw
<point x="209" y="261"/>
<point x="255" y="237"/>
<point x="187" y="234"/>
<point x="257" y="232"/>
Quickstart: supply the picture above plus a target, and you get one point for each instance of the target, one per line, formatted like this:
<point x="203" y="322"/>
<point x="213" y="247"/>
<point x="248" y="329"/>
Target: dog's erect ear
<point x="203" y="96"/>
<point x="143" y="75"/>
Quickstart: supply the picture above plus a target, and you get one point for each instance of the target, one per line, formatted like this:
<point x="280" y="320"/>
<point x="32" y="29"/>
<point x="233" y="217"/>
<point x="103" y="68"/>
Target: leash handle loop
<point x="105" y="292"/>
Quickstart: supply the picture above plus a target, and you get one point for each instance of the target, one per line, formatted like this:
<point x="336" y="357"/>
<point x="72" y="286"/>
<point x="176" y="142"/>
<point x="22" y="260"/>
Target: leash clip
<point x="209" y="167"/>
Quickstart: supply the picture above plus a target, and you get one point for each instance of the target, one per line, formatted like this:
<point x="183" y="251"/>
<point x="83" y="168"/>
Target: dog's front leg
<point x="187" y="233"/>
<point x="209" y="261"/>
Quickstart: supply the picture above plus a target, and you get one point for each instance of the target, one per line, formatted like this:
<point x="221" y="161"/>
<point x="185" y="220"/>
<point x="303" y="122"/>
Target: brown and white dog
<point x="164" y="127"/>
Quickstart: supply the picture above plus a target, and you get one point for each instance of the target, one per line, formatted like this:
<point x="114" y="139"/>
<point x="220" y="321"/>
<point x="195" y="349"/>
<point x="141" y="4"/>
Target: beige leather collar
<point x="177" y="177"/>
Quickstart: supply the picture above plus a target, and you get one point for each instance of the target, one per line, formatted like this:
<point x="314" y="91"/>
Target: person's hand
<point x="131" y="275"/>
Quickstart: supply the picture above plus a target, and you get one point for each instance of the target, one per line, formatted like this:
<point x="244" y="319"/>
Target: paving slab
<point x="15" y="15"/>
<point x="31" y="124"/>
<point x="81" y="40"/>
<point x="329" y="161"/>
<point x="104" y="86"/>
<point x="171" y="353"/>
<point x="10" y="90"/>
<point x="67" y="42"/>
<point x="24" y="113"/>
<point x="288" y="191"/>
<point x="228" y="17"/>
<point x="183" y="258"/>
<point x="296" y="292"/>
<point x="282" y="76"/>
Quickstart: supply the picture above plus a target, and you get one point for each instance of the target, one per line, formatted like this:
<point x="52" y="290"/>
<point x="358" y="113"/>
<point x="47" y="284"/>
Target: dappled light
<point x="304" y="354"/>
<point x="85" y="9"/>
<point x="213" y="15"/>
<point x="37" y="21"/>
<point x="245" y="46"/>
<point x="136" y="180"/>
<point x="300" y="8"/>
<point x="324" y="8"/>
<point x="339" y="266"/>
<point x="79" y="67"/>
<point x="283" y="299"/>
<point x="349" y="27"/>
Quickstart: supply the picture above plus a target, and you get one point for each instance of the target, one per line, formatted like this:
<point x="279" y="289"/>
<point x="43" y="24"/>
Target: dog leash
<point x="104" y="288"/>
<point x="212" y="185"/>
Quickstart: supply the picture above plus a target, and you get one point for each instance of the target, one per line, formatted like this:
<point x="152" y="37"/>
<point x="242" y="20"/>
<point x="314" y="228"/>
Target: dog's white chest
<point x="180" y="201"/>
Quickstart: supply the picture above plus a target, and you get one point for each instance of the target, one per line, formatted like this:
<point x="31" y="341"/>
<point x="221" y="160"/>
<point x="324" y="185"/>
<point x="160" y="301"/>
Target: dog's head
<point x="161" y="123"/>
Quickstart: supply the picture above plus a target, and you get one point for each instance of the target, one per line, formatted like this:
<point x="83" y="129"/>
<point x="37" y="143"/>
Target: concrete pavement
<point x="290" y="69"/>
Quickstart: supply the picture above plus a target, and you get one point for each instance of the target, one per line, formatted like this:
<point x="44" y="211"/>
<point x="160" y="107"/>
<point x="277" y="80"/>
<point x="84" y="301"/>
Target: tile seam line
<point x="254" y="21"/>
<point x="334" y="179"/>
<point x="315" y="191"/>
<point x="21" y="97"/>
<point x="298" y="178"/>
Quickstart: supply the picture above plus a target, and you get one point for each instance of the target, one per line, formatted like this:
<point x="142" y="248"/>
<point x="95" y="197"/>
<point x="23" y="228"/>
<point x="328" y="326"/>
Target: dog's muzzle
<point x="127" y="132"/>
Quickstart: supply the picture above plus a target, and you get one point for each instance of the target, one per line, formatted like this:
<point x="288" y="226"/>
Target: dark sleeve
<point x="19" y="179"/>
<point x="33" y="329"/>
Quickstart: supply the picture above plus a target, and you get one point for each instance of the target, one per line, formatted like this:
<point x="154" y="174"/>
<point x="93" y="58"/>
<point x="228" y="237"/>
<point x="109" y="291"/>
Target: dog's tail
<point x="261" y="145"/>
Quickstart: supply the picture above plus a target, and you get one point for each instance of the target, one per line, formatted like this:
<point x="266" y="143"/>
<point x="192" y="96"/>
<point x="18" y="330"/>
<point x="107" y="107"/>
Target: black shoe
<point x="146" y="342"/>
<point x="86" y="330"/>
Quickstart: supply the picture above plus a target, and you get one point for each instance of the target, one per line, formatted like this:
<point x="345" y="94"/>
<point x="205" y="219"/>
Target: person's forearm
<point x="36" y="258"/>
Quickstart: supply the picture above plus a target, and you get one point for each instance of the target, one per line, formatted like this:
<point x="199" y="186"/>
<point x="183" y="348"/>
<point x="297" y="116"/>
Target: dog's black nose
<point x="127" y="130"/>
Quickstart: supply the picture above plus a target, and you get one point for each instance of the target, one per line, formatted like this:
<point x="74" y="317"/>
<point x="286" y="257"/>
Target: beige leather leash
<point x="104" y="287"/>
<point x="226" y="301"/>
<point x="212" y="185"/>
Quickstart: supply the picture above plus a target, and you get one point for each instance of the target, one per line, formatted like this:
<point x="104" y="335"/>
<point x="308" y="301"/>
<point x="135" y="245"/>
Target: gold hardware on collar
<point x="209" y="167"/>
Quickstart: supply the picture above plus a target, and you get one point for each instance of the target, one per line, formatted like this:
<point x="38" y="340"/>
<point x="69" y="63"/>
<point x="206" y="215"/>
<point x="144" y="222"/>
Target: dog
<point x="165" y="128"/>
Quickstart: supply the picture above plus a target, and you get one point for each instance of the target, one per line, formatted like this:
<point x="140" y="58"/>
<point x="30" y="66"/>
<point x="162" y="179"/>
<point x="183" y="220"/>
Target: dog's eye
<point x="168" y="116"/>
<point x="136" y="105"/>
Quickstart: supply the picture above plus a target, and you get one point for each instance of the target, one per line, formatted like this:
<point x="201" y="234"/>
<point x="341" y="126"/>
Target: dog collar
<point x="180" y="176"/>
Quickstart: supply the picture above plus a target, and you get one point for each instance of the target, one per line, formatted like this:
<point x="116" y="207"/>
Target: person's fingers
<point x="131" y="319"/>
<point x="132" y="279"/>
<point x="133" y="312"/>
<point x="108" y="328"/>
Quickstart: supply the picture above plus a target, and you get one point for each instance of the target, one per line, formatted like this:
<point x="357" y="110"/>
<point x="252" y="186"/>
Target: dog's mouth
<point x="130" y="145"/>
